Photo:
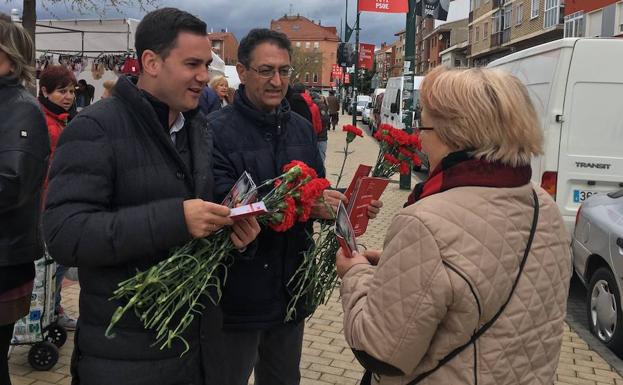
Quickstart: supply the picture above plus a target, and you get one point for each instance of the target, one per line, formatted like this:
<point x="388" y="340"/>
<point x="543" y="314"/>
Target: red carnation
<point x="306" y="171"/>
<point x="285" y="218"/>
<point x="391" y="159"/>
<point x="353" y="129"/>
<point x="310" y="193"/>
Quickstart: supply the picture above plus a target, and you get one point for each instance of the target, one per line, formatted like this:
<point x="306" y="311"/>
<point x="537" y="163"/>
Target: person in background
<point x="221" y="87"/>
<point x="334" y="108"/>
<point x="296" y="101"/>
<point x="57" y="86"/>
<point x="24" y="151"/>
<point x="472" y="285"/>
<point x="84" y="94"/>
<point x="320" y="101"/>
<point x="209" y="101"/>
<point x="108" y="86"/>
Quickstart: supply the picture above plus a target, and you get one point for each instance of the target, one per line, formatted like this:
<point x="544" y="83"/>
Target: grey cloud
<point x="239" y="16"/>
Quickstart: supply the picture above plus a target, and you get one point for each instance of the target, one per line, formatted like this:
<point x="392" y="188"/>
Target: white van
<point x="394" y="100"/>
<point x="576" y="86"/>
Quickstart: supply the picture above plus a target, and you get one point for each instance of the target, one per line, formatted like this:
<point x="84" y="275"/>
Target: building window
<point x="574" y="25"/>
<point x="485" y="32"/>
<point x="552" y="13"/>
<point x="298" y="44"/>
<point x="278" y="28"/>
<point x="307" y="77"/>
<point x="534" y="9"/>
<point x="316" y="44"/>
<point x="469" y="37"/>
<point x="315" y="78"/>
<point x="457" y="63"/>
<point x="477" y="4"/>
<point x="519" y="11"/>
<point x="508" y="17"/>
<point x="307" y="44"/>
<point x="477" y="35"/>
<point x="496" y="22"/>
<point x="593" y="24"/>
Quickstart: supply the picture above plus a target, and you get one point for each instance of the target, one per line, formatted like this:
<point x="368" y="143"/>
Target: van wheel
<point x="603" y="308"/>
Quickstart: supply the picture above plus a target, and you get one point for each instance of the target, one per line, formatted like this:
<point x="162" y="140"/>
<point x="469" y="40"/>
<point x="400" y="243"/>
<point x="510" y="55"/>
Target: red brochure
<point x="367" y="190"/>
<point x="362" y="171"/>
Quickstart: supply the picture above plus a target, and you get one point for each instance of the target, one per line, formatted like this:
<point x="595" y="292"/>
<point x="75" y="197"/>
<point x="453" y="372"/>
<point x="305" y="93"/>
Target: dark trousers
<point x="6" y="334"/>
<point x="229" y="357"/>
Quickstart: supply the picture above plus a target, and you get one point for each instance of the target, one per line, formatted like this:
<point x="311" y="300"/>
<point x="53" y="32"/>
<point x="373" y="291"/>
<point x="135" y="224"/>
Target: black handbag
<point x="367" y="376"/>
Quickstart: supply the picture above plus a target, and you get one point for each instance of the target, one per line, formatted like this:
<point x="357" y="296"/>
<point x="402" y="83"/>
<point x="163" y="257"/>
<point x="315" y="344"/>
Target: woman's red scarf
<point x="459" y="169"/>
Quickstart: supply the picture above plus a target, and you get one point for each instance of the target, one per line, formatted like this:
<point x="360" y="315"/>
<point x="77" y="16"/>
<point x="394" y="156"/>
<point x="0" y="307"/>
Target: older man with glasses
<point x="259" y="134"/>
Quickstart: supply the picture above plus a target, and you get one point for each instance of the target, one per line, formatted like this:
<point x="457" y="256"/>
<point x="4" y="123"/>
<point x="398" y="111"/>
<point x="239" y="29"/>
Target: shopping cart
<point x="39" y="328"/>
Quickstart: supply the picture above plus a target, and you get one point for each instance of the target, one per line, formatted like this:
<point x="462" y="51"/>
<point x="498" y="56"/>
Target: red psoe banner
<point x="366" y="56"/>
<point x="385" y="6"/>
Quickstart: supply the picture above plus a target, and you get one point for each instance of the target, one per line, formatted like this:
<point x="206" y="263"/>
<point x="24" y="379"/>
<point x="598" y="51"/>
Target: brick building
<point x="225" y="45"/>
<point x="315" y="44"/>
<point x="399" y="53"/>
<point x="423" y="27"/>
<point x="443" y="37"/>
<point x="500" y="27"/>
<point x="593" y="18"/>
<point x="384" y="59"/>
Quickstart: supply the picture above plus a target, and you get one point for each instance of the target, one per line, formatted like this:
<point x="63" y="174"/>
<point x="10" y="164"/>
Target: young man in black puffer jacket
<point x="131" y="179"/>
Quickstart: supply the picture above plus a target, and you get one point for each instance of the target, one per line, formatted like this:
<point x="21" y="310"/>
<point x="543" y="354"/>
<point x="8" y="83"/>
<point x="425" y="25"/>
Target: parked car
<point x="598" y="262"/>
<point x="396" y="97"/>
<point x="365" y="115"/>
<point x="375" y="115"/>
<point x="578" y="102"/>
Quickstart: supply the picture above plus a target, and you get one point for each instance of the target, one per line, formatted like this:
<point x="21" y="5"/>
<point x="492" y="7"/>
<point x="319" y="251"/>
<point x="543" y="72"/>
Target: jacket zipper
<point x="475" y="364"/>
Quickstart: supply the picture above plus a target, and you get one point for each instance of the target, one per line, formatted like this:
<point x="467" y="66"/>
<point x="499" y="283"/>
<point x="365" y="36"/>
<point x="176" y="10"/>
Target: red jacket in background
<point x="315" y="112"/>
<point x="56" y="124"/>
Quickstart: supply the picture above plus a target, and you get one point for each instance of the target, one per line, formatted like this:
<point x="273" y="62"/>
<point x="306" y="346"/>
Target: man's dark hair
<point x="159" y="29"/>
<point x="83" y="82"/>
<point x="331" y="92"/>
<point x="258" y="36"/>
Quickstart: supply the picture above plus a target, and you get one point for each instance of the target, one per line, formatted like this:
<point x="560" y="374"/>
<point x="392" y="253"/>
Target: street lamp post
<point x="407" y="113"/>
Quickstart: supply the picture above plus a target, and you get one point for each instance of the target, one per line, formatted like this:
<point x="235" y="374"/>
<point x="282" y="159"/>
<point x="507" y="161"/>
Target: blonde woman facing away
<point x="471" y="287"/>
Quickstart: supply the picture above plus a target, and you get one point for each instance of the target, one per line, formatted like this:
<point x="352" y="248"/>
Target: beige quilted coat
<point x="416" y="306"/>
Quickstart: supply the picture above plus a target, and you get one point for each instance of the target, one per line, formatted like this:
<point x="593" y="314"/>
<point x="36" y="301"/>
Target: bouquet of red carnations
<point x="397" y="151"/>
<point x="167" y="296"/>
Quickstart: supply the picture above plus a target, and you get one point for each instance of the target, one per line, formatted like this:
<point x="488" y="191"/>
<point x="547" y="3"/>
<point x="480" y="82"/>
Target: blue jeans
<point x="322" y="148"/>
<point x="60" y="273"/>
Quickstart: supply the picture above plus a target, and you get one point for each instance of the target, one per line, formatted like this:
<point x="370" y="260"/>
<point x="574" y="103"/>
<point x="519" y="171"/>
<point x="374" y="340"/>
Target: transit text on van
<point x="605" y="166"/>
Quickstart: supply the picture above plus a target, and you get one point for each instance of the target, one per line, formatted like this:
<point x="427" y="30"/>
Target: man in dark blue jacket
<point x="259" y="133"/>
<point x="131" y="179"/>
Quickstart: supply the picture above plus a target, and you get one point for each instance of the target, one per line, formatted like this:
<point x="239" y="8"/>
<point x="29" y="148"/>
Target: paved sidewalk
<point x="327" y="359"/>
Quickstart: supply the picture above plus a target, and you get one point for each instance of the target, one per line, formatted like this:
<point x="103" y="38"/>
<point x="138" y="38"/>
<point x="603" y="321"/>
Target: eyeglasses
<point x="269" y="73"/>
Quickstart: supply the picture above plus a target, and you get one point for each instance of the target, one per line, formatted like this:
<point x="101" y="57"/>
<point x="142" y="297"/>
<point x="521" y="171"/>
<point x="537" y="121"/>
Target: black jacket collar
<point x="9" y="81"/>
<point x="262" y="119"/>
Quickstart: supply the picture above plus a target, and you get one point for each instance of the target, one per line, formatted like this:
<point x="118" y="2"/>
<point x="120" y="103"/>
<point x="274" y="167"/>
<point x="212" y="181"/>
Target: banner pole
<point x="355" y="81"/>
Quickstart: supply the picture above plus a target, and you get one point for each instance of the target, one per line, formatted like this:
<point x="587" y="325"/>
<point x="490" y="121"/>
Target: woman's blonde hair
<point x="217" y="81"/>
<point x="18" y="45"/>
<point x="485" y="111"/>
<point x="109" y="84"/>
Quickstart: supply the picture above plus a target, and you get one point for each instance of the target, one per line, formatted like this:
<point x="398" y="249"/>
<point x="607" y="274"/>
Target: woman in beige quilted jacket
<point x="472" y="283"/>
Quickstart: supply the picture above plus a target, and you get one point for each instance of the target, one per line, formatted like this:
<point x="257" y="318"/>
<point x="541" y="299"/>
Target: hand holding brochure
<point x="344" y="232"/>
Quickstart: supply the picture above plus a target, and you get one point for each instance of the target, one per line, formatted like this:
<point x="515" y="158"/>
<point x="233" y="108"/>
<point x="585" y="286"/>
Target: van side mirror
<point x="393" y="108"/>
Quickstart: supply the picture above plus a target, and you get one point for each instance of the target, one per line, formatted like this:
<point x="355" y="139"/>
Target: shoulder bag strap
<point x="487" y="325"/>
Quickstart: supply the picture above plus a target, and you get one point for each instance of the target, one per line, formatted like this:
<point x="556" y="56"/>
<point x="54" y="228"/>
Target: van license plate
<point x="580" y="196"/>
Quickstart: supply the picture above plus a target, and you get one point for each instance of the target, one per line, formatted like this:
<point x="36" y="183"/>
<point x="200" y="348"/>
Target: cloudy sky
<point x="239" y="16"/>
